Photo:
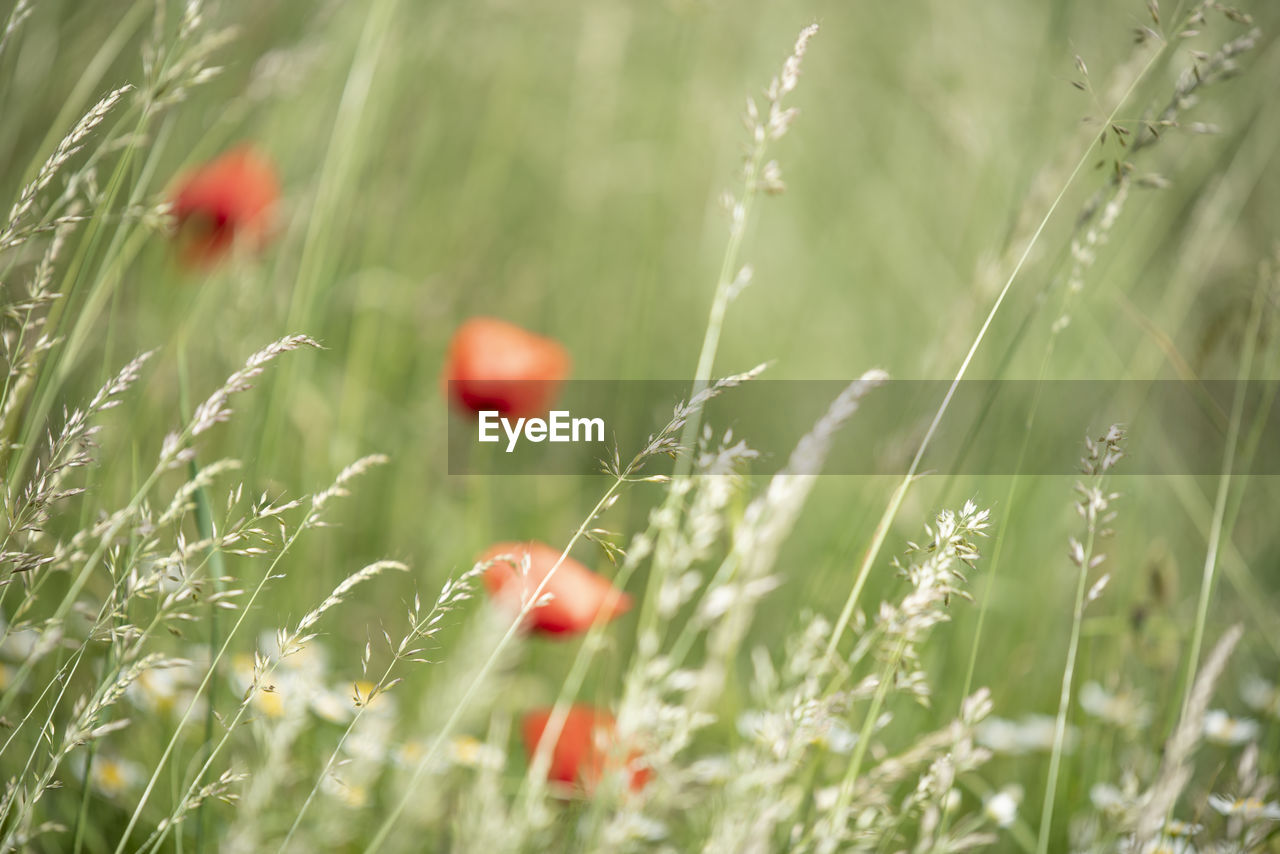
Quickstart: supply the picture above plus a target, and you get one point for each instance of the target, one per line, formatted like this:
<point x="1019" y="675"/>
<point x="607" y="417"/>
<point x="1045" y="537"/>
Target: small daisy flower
<point x="1002" y="807"/>
<point x="838" y="738"/>
<point x="1121" y="710"/>
<point x="269" y="702"/>
<point x="351" y="795"/>
<point x="1161" y="845"/>
<point x="155" y="689"/>
<point x="999" y="735"/>
<point x="166" y="691"/>
<point x="371" y="739"/>
<point x="381" y="703"/>
<point x="309" y="658"/>
<point x="281" y="692"/>
<point x="332" y="705"/>
<point x="1036" y="733"/>
<point x="825" y="799"/>
<point x="1029" y="734"/>
<point x="1182" y="829"/>
<point x="1261" y="696"/>
<point x="1176" y="839"/>
<point x="20" y="644"/>
<point x="409" y="753"/>
<point x="1114" y="800"/>
<point x="470" y="752"/>
<point x="1221" y="728"/>
<point x="114" y="777"/>
<point x="1248" y="809"/>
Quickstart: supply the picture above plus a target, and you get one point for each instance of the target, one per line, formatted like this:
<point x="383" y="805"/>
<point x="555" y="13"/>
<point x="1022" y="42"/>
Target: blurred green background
<point x="558" y="164"/>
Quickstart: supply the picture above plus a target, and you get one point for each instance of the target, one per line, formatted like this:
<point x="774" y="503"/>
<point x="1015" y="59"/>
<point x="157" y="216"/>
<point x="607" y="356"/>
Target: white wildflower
<point x="351" y="795"/>
<point x="1124" y="710"/>
<point x="1182" y="828"/>
<point x="1160" y="845"/>
<point x="1029" y="734"/>
<point x="113" y="777"/>
<point x="371" y="738"/>
<point x="1002" y="807"/>
<point x="469" y="752"/>
<point x="1249" y="809"/>
<point x="1114" y="800"/>
<point x="825" y="798"/>
<point x="333" y="705"/>
<point x="20" y="644"/>
<point x="838" y="738"/>
<point x="1221" y="728"/>
<point x="164" y="690"/>
<point x="1261" y="695"/>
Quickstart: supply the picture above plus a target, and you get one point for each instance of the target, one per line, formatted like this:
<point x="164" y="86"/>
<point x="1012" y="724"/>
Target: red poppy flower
<point x="495" y="365"/>
<point x="229" y="197"/>
<point x="578" y="595"/>
<point x="585" y="745"/>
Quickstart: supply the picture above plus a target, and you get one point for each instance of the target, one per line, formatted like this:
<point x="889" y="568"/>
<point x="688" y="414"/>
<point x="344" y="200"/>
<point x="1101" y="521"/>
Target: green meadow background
<point x="558" y="164"/>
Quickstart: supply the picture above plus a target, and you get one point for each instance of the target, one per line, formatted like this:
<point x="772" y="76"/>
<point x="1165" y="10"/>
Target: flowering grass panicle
<point x="1094" y="509"/>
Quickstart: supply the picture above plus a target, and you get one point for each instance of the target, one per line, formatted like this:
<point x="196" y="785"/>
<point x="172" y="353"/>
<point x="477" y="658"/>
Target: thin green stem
<point x="1064" y="698"/>
<point x="82" y="815"/>
<point x="1209" y="574"/>
<point x="343" y="157"/>
<point x="869" y="725"/>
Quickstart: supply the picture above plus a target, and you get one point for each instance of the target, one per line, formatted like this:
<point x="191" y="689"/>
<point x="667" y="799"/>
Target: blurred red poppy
<point x="227" y="198"/>
<point x="581" y="751"/>
<point x="495" y="365"/>
<point x="578" y="595"/>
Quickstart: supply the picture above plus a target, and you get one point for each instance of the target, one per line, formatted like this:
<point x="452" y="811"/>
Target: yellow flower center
<point x="270" y="703"/>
